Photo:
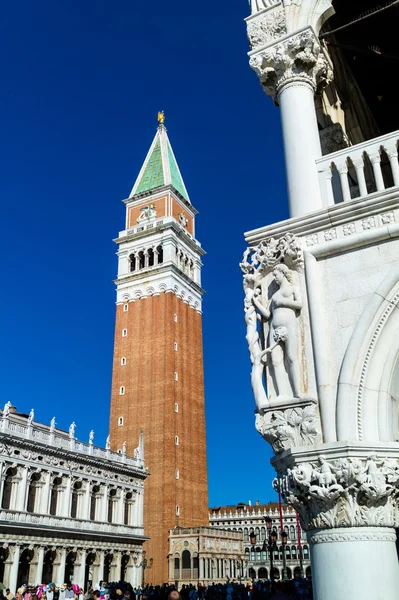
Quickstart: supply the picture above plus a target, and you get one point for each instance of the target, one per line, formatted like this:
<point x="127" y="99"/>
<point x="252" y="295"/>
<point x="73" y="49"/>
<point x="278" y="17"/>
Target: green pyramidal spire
<point x="160" y="166"/>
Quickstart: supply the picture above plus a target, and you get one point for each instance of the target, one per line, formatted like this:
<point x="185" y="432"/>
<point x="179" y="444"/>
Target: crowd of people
<point x="296" y="589"/>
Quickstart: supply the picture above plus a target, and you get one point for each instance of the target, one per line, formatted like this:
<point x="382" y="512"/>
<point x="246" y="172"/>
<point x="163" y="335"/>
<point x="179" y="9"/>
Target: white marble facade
<point x="70" y="511"/>
<point x="321" y="311"/>
<point x="205" y="555"/>
<point x="249" y="521"/>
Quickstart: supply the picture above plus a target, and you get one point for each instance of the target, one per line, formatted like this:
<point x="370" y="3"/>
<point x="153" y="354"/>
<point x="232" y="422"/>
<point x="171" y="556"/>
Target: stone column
<point x="45" y="494"/>
<point x="14" y="569"/>
<point x="19" y="488"/>
<point x="201" y="568"/>
<point x="79" y="573"/>
<point x="98" y="571"/>
<point x="291" y="70"/>
<point x="59" y="570"/>
<point x="39" y="566"/>
<point x="115" y="573"/>
<point x="348" y="504"/>
<point x="67" y="497"/>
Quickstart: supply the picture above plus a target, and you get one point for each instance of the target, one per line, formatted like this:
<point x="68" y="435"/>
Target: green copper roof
<point x="160" y="168"/>
<point x="177" y="181"/>
<point x="153" y="172"/>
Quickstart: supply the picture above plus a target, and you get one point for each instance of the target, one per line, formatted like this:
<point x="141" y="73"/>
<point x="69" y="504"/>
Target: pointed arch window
<point x="123" y="361"/>
<point x="122" y="390"/>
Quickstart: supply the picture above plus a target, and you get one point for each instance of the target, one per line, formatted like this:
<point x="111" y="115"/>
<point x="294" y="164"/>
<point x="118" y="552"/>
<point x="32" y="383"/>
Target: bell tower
<point x="157" y="382"/>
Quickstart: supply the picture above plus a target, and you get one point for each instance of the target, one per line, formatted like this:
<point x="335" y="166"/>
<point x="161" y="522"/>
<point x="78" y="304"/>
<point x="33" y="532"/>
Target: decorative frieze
<point x="267" y="27"/>
<point x="345" y="492"/>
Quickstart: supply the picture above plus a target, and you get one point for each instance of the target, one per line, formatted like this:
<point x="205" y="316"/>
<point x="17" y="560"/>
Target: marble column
<point x="348" y="505"/>
<point x="39" y="566"/>
<point x="14" y="568"/>
<point x="79" y="570"/>
<point x="66" y="498"/>
<point x="292" y="80"/>
<point x="59" y="566"/>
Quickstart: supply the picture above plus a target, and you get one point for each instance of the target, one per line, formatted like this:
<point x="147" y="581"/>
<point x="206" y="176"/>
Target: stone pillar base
<point x="359" y="563"/>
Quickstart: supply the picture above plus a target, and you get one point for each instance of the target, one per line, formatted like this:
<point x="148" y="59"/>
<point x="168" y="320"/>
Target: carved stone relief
<point x="346" y="492"/>
<point x="292" y="427"/>
<point x="267" y="28"/>
<point x="275" y="335"/>
<point x="297" y="58"/>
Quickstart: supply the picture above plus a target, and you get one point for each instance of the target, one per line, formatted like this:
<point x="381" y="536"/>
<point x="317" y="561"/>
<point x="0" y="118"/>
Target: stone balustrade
<point x="61" y="440"/>
<point x="359" y="170"/>
<point x="59" y="522"/>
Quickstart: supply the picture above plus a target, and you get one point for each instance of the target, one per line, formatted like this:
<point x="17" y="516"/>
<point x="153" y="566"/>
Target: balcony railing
<point x="54" y="522"/>
<point x="360" y="170"/>
<point x="60" y="439"/>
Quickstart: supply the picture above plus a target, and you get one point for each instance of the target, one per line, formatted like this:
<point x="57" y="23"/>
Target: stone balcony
<point x="358" y="171"/>
<point x="57" y="523"/>
<point x="24" y="430"/>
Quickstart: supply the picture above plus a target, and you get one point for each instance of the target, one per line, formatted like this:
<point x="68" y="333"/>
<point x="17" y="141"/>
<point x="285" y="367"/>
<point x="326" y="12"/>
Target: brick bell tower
<point x="157" y="382"/>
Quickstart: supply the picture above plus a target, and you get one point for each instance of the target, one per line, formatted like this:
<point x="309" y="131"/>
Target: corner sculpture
<point x="273" y="307"/>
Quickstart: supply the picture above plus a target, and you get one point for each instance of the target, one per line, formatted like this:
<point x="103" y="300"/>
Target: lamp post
<point x="284" y="542"/>
<point x="272" y="538"/>
<point x="144" y="564"/>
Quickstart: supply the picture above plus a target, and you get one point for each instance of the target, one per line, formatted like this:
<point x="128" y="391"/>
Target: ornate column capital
<point x="342" y="492"/>
<point x="279" y="59"/>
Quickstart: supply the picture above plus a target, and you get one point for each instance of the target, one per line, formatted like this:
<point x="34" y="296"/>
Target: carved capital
<point x="291" y="427"/>
<point x="343" y="492"/>
<point x="296" y="59"/>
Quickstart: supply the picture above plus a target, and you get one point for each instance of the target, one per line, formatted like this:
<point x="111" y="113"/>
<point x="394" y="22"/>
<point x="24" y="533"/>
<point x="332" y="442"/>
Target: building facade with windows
<point x="322" y="287"/>
<point x="71" y="512"/>
<point x="249" y="522"/>
<point x="205" y="555"/>
<point x="157" y="383"/>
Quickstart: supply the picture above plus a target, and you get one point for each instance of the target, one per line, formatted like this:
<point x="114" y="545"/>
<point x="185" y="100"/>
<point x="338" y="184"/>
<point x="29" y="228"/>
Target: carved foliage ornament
<point x="346" y="492"/>
<point x="298" y="58"/>
<point x="266" y="28"/>
<point x="289" y="428"/>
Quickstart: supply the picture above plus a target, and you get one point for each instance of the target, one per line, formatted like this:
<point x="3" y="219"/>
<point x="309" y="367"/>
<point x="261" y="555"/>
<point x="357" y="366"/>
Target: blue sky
<point x="81" y="84"/>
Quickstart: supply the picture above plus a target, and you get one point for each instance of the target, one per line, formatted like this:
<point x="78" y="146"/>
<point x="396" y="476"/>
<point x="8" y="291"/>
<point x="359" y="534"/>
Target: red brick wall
<point x="149" y="403"/>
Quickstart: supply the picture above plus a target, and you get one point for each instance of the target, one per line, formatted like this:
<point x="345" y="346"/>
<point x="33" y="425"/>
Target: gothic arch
<point x="311" y="12"/>
<point x="368" y="385"/>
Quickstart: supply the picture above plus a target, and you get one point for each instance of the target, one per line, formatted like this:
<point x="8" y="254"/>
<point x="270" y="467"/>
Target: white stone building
<point x="69" y="511"/>
<point x="205" y="555"/>
<point x="249" y="521"/>
<point x="322" y="288"/>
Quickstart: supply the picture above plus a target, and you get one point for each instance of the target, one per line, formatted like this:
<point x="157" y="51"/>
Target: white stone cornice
<point x="151" y="283"/>
<point x="52" y="458"/>
<point x="340" y="216"/>
<point x="141" y="232"/>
